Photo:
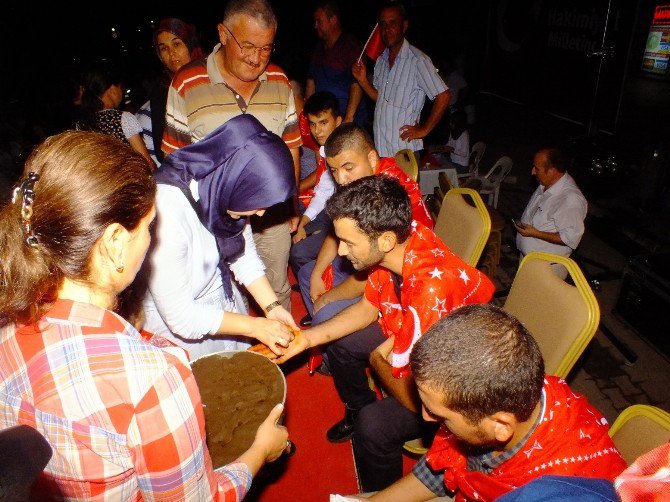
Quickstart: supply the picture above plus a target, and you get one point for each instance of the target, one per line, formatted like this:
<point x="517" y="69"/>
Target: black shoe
<point x="323" y="369"/>
<point x="306" y="321"/>
<point x="344" y="429"/>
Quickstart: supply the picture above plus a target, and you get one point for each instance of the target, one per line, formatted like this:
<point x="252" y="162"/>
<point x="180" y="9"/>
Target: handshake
<point x="283" y="350"/>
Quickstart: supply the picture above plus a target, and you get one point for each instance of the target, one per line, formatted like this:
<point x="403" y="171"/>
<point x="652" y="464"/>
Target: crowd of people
<point x="135" y="244"/>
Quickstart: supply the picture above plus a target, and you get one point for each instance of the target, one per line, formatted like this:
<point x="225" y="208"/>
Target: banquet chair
<point x="491" y="181"/>
<point x="476" y="154"/>
<point x="463" y="227"/>
<point x="406" y="161"/>
<point x="562" y="317"/>
<point x="639" y="429"/>
<point x="434" y="200"/>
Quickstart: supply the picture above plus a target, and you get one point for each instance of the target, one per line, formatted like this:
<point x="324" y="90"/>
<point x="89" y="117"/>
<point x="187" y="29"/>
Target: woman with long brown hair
<point x="123" y="416"/>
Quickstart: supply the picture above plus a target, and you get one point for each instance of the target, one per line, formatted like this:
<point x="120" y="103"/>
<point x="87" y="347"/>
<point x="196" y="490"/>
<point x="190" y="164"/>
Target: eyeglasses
<point x="248" y="49"/>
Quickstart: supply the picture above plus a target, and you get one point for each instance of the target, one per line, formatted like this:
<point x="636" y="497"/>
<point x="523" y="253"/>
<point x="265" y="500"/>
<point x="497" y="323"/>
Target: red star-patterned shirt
<point x="571" y="439"/>
<point x="434" y="282"/>
<point x="388" y="167"/>
<point x="420" y="213"/>
<point x="306" y="196"/>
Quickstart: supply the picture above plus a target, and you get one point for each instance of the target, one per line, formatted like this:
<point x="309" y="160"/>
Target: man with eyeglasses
<point x="237" y="78"/>
<point x="403" y="77"/>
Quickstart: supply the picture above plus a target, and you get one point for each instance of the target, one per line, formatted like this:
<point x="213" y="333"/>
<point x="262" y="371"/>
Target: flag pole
<point x="368" y="41"/>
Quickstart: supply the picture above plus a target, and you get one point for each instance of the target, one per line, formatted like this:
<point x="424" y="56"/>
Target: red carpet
<point x="318" y="468"/>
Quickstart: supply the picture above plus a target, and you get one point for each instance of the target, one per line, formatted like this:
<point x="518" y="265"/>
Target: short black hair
<point x="557" y="159"/>
<point x="377" y="204"/>
<point x="322" y="101"/>
<point x="393" y="4"/>
<point x="330" y="7"/>
<point x="483" y="361"/>
<point x="349" y="136"/>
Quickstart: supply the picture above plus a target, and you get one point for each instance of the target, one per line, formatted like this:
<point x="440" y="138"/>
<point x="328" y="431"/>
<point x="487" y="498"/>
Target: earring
<point x="120" y="269"/>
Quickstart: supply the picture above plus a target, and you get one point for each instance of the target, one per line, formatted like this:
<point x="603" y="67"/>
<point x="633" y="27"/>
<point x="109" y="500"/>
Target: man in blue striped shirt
<point x="403" y="77"/>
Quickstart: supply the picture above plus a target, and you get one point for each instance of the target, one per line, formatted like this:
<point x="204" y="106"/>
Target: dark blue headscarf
<point x="240" y="166"/>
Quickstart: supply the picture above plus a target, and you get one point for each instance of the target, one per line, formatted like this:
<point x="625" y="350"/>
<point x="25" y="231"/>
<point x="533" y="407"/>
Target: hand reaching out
<point x="296" y="346"/>
<point x="274" y="334"/>
<point x="283" y="316"/>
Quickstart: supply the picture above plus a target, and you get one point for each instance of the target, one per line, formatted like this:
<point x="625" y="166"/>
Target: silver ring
<point x="288" y="444"/>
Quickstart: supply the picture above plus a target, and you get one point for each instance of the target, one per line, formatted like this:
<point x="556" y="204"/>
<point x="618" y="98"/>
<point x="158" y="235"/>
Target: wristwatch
<point x="274" y="304"/>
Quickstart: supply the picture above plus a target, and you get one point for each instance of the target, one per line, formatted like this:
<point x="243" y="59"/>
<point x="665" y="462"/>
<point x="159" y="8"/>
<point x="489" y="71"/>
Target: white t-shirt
<point x="461" y="146"/>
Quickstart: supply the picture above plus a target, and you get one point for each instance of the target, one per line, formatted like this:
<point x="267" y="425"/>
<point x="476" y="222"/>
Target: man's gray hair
<point x="260" y="10"/>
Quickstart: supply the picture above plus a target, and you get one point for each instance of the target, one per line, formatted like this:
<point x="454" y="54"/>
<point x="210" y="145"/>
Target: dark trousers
<point x="348" y="359"/>
<point x="304" y="251"/>
<point x="381" y="427"/>
<point x="380" y="431"/>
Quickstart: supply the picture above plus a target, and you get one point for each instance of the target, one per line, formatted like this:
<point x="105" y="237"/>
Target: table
<point x="428" y="177"/>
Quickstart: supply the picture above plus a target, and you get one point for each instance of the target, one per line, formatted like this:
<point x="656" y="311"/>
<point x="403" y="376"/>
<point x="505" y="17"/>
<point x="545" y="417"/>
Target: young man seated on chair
<point x="323" y="113"/>
<point x="414" y="280"/>
<point x="503" y="422"/>
<point x="350" y="155"/>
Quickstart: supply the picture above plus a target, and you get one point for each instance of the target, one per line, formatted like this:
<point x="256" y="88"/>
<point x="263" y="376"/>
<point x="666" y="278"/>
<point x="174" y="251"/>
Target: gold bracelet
<point x="274" y="304"/>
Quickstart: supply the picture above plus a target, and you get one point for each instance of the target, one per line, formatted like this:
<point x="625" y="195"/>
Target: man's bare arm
<point x="403" y="389"/>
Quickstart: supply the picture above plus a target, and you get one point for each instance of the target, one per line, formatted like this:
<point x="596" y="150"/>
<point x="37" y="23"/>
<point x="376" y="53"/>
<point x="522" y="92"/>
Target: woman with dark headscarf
<point x="205" y="193"/>
<point x="176" y="43"/>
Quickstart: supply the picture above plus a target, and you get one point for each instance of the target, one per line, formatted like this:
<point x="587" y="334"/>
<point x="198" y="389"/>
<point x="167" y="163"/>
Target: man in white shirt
<point x="553" y="220"/>
<point x="403" y="77"/>
<point x="323" y="112"/>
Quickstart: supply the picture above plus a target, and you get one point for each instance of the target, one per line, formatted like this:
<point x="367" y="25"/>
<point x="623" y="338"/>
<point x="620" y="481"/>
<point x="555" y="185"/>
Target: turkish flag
<point x="374" y="46"/>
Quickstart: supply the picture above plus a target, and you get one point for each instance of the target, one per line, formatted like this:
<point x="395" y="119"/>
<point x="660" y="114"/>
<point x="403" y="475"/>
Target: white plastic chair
<point x="492" y="180"/>
<point x="476" y="153"/>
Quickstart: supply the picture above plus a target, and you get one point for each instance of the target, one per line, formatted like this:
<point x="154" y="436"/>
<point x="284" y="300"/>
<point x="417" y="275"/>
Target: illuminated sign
<point x="661" y="15"/>
<point x="657" y="50"/>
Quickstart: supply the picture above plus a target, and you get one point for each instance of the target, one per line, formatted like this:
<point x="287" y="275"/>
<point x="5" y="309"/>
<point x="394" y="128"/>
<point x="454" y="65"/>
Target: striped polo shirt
<point x="199" y="101"/>
<point x="402" y="90"/>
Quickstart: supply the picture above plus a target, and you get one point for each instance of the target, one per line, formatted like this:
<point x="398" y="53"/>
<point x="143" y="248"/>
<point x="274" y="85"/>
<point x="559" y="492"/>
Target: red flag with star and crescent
<point x="374" y="45"/>
<point x="571" y="439"/>
<point x="434" y="282"/>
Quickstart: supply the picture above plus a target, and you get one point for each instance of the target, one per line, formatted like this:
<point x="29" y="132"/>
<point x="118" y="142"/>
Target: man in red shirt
<point x="414" y="280"/>
<point x="503" y="422"/>
<point x="350" y="155"/>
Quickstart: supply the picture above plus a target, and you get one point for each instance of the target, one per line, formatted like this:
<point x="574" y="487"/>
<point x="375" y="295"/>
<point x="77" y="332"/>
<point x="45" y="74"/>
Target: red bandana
<point x="571" y="440"/>
<point x="434" y="282"/>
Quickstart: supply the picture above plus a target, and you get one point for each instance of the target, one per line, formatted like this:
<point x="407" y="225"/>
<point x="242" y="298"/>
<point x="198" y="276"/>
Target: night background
<point x="532" y="53"/>
<point x="538" y="75"/>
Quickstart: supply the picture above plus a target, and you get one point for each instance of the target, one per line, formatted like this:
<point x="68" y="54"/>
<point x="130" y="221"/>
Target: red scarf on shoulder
<point x="571" y="440"/>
